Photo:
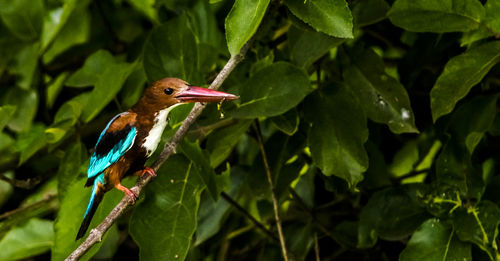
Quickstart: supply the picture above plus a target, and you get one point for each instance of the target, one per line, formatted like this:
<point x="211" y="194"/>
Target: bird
<point x="131" y="137"/>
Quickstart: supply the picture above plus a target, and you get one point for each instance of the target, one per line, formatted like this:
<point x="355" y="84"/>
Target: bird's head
<point x="171" y="91"/>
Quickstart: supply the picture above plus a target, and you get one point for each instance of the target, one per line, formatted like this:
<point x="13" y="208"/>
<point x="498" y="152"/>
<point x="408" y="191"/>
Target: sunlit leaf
<point x="332" y="17"/>
<point x="242" y="22"/>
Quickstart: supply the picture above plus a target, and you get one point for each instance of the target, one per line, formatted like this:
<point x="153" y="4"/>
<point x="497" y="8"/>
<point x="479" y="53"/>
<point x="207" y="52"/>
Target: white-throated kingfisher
<point x="132" y="136"/>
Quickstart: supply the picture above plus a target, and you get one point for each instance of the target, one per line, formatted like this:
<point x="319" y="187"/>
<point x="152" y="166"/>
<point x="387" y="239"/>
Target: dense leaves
<point x="379" y="121"/>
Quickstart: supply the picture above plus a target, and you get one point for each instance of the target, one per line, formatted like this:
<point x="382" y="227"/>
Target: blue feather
<point x="98" y="163"/>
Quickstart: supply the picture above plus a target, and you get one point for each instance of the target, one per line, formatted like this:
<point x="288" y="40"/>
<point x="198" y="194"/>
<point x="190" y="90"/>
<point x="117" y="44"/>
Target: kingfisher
<point x="131" y="137"/>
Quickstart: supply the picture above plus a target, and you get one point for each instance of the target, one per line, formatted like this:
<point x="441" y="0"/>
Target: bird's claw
<point x="150" y="171"/>
<point x="130" y="193"/>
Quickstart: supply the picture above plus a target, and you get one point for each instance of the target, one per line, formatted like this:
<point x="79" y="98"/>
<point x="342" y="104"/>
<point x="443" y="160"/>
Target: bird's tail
<point x="95" y="199"/>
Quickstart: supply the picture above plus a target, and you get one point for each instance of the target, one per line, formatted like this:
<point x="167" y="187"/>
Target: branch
<point x="273" y="192"/>
<point x="249" y="216"/>
<point x="96" y="234"/>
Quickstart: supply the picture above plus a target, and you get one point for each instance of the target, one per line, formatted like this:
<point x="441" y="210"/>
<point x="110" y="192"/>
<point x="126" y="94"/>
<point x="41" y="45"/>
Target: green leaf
<point x="69" y="113"/>
<point x="336" y="139"/>
<point x="26" y="63"/>
<point x="383" y="98"/>
<point x="369" y="12"/>
<point x="332" y="17"/>
<point x="70" y="216"/>
<point x="201" y="161"/>
<point x="308" y="46"/>
<point x="70" y="167"/>
<point x="164" y="223"/>
<point x="55" y="88"/>
<point x="147" y="8"/>
<point x="288" y="122"/>
<point x="26" y="103"/>
<point x="106" y="88"/>
<point x="222" y="141"/>
<point x="435" y="241"/>
<point x="390" y="214"/>
<point x="472" y="120"/>
<point x="272" y="91"/>
<point x="421" y="16"/>
<point x="212" y="213"/>
<point x="28" y="143"/>
<point x="76" y="31"/>
<point x="460" y="74"/>
<point x="33" y="238"/>
<point x="55" y="20"/>
<point x="91" y="70"/>
<point x="492" y="19"/>
<point x="24" y="18"/>
<point x="6" y="113"/>
<point x="479" y="225"/>
<point x="171" y="51"/>
<point x="242" y="22"/>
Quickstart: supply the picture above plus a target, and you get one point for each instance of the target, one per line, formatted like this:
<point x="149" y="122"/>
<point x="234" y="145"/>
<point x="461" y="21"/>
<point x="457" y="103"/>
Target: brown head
<point x="170" y="91"/>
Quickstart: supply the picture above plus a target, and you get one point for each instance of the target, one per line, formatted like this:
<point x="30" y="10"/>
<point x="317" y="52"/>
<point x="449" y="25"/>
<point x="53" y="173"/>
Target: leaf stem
<point x="271" y="187"/>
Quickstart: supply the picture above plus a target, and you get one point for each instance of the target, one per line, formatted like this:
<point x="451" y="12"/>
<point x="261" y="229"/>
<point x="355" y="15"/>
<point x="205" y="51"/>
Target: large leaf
<point x="437" y="16"/>
<point x="71" y="213"/>
<point x="91" y="70"/>
<point x="171" y="51"/>
<point x="308" y="46"/>
<point x="6" y="113"/>
<point x="55" y="20"/>
<point x="26" y="103"/>
<point x="221" y="142"/>
<point x="106" y="88"/>
<point x="28" y="143"/>
<point x="26" y="63"/>
<point x="242" y="22"/>
<point x="332" y="17"/>
<point x="164" y="223"/>
<point x="390" y="214"/>
<point x="24" y="18"/>
<point x="383" y="98"/>
<point x="460" y="74"/>
<point x="75" y="31"/>
<point x="369" y="11"/>
<point x="31" y="239"/>
<point x="436" y="241"/>
<point x="272" y="91"/>
<point x="338" y="133"/>
<point x="202" y="162"/>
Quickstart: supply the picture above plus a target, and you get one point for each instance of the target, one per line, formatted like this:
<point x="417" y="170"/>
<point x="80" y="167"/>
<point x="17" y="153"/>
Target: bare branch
<point x="273" y="193"/>
<point x="97" y="233"/>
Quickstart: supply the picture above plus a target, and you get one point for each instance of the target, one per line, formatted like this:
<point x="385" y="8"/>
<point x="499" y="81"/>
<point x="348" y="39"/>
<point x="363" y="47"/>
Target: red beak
<point x="198" y="94"/>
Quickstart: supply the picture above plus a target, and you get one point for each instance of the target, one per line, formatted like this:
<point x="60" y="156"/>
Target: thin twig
<point x="249" y="216"/>
<point x="19" y="183"/>
<point x="96" y="234"/>
<point x="271" y="186"/>
<point x="35" y="205"/>
<point x="316" y="246"/>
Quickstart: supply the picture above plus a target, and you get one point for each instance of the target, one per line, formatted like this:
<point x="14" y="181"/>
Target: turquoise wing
<point x="110" y="146"/>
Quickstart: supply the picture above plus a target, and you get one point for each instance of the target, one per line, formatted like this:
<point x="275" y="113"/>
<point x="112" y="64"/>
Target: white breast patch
<point x="154" y="136"/>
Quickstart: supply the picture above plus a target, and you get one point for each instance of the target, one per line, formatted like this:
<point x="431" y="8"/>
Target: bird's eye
<point x="168" y="91"/>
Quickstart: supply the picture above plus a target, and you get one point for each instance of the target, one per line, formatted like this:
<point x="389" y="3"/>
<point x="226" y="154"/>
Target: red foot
<point x="130" y="193"/>
<point x="150" y="171"/>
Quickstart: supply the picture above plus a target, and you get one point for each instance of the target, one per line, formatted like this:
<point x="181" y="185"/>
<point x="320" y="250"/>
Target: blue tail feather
<point x="95" y="199"/>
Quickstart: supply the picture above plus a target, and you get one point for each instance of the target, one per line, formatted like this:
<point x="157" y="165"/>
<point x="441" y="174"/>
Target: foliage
<point x="380" y="123"/>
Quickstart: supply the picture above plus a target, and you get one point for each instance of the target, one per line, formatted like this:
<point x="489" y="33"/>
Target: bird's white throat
<point x="154" y="136"/>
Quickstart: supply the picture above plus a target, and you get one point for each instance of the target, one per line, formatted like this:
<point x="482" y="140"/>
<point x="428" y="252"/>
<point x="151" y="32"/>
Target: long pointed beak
<point x="198" y="94"/>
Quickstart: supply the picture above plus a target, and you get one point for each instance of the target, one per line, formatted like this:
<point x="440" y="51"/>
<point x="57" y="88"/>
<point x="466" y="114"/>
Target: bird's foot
<point x="150" y="171"/>
<point x="130" y="193"/>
